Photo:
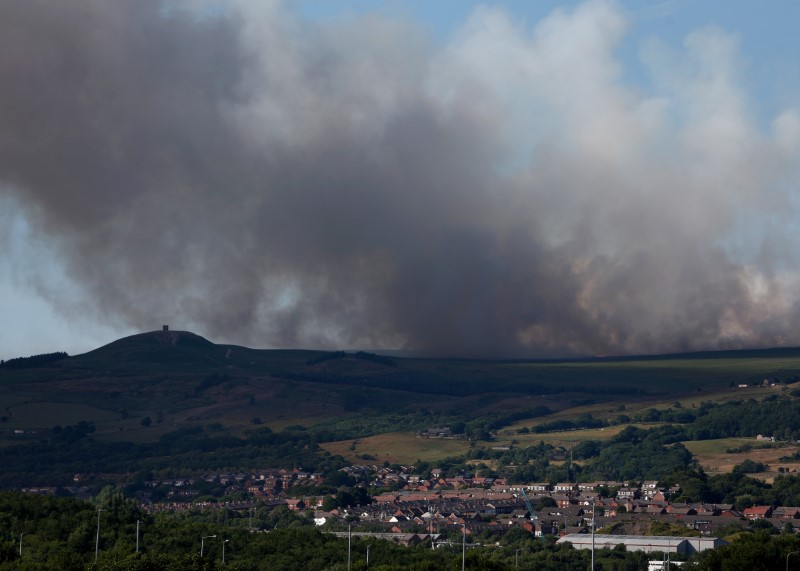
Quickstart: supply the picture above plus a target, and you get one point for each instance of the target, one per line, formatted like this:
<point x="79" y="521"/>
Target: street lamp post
<point x="788" y="556"/>
<point x="516" y="558"/>
<point x="223" y="550"/>
<point x="202" y="542"/>
<point x="20" y="544"/>
<point x="592" y="535"/>
<point x="97" y="539"/>
<point x="137" y="536"/>
<point x="367" y="556"/>
<point x="464" y="548"/>
<point x="349" y="543"/>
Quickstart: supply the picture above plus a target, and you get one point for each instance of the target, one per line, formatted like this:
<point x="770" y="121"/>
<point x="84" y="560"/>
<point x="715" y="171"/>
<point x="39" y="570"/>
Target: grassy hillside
<point x="177" y="378"/>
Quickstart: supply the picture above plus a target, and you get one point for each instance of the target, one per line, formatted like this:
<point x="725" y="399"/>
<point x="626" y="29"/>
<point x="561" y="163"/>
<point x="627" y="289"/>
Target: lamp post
<point x="592" y="535"/>
<point x="202" y="542"/>
<point x="223" y="550"/>
<point x="788" y="556"/>
<point x="367" y="556"/>
<point x="137" y="536"/>
<point x="97" y="539"/>
<point x="20" y="544"/>
<point x="349" y="543"/>
<point x="516" y="558"/>
<point x="464" y="548"/>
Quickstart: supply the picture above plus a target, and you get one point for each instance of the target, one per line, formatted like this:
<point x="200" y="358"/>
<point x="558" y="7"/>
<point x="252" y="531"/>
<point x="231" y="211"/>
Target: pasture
<point x="396" y="447"/>
<point x="714" y="457"/>
<point x="565" y="438"/>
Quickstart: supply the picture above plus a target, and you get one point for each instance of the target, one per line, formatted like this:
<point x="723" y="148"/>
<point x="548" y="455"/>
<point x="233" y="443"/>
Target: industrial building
<point x="646" y="543"/>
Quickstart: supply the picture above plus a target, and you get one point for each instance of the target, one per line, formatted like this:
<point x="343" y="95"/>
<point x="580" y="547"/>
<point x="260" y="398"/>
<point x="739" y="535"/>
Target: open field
<point x="720" y="445"/>
<point x="397" y="447"/>
<point x="712" y="455"/>
<point x="566" y="438"/>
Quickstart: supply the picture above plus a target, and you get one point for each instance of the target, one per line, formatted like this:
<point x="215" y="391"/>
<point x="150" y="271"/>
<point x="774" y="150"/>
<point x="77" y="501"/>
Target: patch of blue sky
<point x="766" y="32"/>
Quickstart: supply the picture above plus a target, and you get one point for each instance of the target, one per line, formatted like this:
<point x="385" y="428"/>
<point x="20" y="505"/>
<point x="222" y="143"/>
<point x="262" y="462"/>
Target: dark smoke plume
<point x="271" y="181"/>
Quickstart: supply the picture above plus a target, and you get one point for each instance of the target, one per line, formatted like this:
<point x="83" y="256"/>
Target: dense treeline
<point x="632" y="455"/>
<point x="774" y="416"/>
<point x="33" y="361"/>
<point x="191" y="450"/>
<point x="66" y="451"/>
<point x="735" y="488"/>
<point x="484" y="427"/>
<point x="582" y="421"/>
<point x="751" y="552"/>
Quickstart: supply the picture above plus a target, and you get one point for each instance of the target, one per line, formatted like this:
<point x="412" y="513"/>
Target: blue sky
<point x="35" y="320"/>
<point x="767" y="30"/>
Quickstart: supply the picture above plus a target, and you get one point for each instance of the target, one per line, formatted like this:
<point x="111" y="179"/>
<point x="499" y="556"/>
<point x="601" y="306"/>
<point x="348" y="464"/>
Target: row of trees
<point x="33" y="361"/>
<point x="773" y="416"/>
<point x="68" y="450"/>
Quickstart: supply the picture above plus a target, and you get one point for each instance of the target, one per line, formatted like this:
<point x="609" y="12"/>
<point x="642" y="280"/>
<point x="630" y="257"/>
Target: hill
<point x="180" y="377"/>
<point x="175" y="400"/>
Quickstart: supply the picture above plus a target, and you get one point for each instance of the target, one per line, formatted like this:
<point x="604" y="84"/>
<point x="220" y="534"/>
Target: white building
<point x="646" y="543"/>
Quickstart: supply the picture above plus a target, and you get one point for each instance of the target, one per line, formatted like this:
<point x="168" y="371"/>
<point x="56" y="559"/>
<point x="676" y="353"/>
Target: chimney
<point x="165" y="328"/>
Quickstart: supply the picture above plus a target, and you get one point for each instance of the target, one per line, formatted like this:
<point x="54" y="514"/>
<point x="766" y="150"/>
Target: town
<point x="417" y="507"/>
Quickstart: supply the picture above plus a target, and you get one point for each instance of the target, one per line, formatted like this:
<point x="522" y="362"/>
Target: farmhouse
<point x="436" y="432"/>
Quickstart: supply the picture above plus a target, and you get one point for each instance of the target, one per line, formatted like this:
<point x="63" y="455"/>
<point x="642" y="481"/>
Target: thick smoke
<point x="266" y="180"/>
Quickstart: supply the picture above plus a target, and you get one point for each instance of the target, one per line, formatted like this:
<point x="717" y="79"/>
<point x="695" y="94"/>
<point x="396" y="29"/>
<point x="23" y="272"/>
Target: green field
<point x="720" y="445"/>
<point x="713" y="455"/>
<point x="566" y="438"/>
<point x="397" y="447"/>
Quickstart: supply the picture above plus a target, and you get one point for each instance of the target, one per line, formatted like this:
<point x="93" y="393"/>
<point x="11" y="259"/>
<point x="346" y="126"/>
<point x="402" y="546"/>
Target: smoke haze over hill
<point x="274" y="181"/>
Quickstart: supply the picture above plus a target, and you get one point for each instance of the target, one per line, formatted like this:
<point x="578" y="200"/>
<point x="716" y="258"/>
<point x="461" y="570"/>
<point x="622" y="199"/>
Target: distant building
<point x="439" y="432"/>
<point x="165" y="328"/>
<point x="646" y="543"/>
<point x="758" y="512"/>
